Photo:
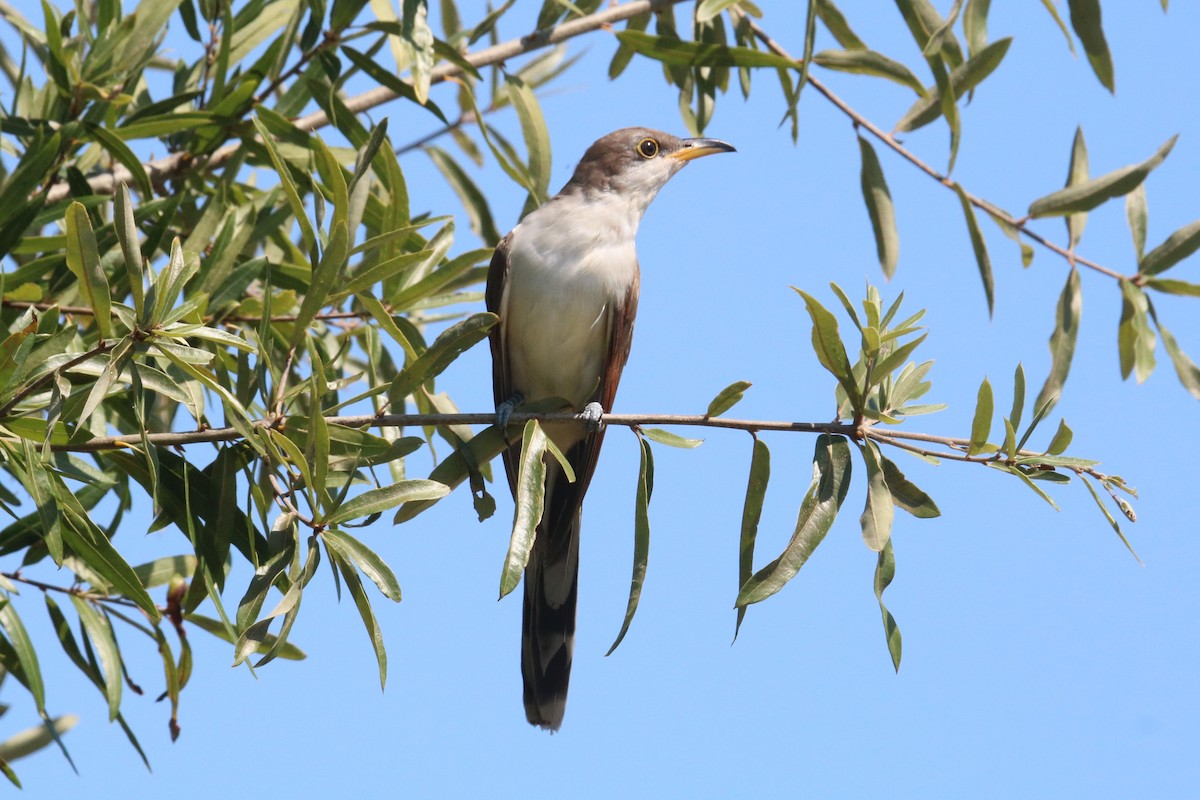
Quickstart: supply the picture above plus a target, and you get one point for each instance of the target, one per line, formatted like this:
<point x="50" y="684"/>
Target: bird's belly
<point x="557" y="315"/>
<point x="556" y="345"/>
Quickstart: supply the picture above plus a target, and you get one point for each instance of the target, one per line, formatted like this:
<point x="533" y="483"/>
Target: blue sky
<point x="1040" y="659"/>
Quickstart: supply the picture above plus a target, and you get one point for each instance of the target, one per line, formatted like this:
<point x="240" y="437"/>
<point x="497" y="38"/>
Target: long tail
<point x="551" y="591"/>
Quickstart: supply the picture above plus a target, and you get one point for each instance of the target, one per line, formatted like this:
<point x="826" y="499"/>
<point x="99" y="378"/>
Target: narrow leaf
<point x="1077" y="174"/>
<point x="1062" y="341"/>
<point x="756" y="492"/>
<point x="367" y="561"/>
<point x="671" y="439"/>
<point x="727" y="398"/>
<point x="374" y="501"/>
<point x="1135" y="213"/>
<point x="1135" y="340"/>
<point x="981" y="425"/>
<point x="1086" y="196"/>
<point x="83" y="259"/>
<point x="979" y="245"/>
<point x="877" y="515"/>
<point x="885" y="571"/>
<point x="641" y="537"/>
<point x="905" y="494"/>
<point x="830" y="352"/>
<point x="879" y="208"/>
<point x="1178" y="246"/>
<point x="831" y="481"/>
<point x="1085" y="19"/>
<point x="530" y="501"/>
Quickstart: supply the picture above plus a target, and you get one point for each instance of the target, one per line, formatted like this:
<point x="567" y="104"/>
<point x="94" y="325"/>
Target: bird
<point x="564" y="284"/>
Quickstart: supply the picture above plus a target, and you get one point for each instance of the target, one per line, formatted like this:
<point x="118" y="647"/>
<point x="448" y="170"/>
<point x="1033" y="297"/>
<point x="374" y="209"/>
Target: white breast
<point x="570" y="263"/>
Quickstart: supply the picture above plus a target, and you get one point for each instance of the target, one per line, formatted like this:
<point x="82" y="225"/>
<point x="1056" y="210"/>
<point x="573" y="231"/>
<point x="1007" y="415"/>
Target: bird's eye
<point x="647" y="148"/>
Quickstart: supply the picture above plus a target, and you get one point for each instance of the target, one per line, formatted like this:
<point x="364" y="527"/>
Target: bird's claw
<point x="505" y="410"/>
<point x="592" y="414"/>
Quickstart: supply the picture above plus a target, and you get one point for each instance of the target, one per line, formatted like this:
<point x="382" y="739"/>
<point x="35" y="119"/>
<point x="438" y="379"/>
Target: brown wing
<point x="584" y="455"/>
<point x="493" y="294"/>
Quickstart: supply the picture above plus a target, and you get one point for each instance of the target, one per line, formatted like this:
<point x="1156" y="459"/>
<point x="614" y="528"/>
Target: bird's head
<point x="636" y="162"/>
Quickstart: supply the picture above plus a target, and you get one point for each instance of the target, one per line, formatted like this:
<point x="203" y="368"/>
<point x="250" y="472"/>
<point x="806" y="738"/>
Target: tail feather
<point x="551" y="591"/>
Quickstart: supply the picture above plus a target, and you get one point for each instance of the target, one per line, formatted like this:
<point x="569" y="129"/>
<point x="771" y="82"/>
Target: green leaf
<point x="161" y="571"/>
<point x="287" y="651"/>
<point x="30" y="740"/>
<point x="126" y="228"/>
<point x="756" y="492"/>
<point x="535" y="133"/>
<point x="641" y="537"/>
<point x="981" y="426"/>
<point x="150" y="20"/>
<point x="905" y="494"/>
<point x="1135" y="340"/>
<point x="699" y="54"/>
<point x="879" y="208"/>
<point x="1108" y="515"/>
<point x="169" y="284"/>
<point x="27" y="660"/>
<point x="827" y="344"/>
<point x="1077" y="174"/>
<point x="837" y="25"/>
<point x="363" y="604"/>
<point x="289" y="187"/>
<point x="1062" y="26"/>
<point x="877" y="516"/>
<point x="975" y="24"/>
<point x="727" y="398"/>
<point x="377" y="500"/>
<point x="90" y="544"/>
<point x="126" y="157"/>
<point x="452" y="343"/>
<point x="1014" y="233"/>
<point x="1135" y="213"/>
<point x="885" y="571"/>
<point x="324" y="278"/>
<point x="530" y="501"/>
<point x="670" y="439"/>
<point x="961" y="80"/>
<point x="1170" y="286"/>
<point x="1018" y="404"/>
<point x="100" y="633"/>
<point x="869" y="62"/>
<point x="1062" y="342"/>
<point x="979" y="245"/>
<point x="1088" y="195"/>
<point x="831" y="481"/>
<point x="83" y="259"/>
<point x="706" y="10"/>
<point x="367" y="561"/>
<point x="1178" y="246"/>
<point x="1185" y="368"/>
<point x="937" y="38"/>
<point x="1061" y="440"/>
<point x="457" y="467"/>
<point x="1085" y="19"/>
<point x="474" y="202"/>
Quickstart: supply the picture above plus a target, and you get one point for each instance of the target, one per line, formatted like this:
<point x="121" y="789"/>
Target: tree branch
<point x="891" y="141"/>
<point x="172" y="165"/>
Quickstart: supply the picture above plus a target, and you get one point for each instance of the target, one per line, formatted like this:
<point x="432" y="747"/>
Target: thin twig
<point x="24" y="392"/>
<point x="93" y="597"/>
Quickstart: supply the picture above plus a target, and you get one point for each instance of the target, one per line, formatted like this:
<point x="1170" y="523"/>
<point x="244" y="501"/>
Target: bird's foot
<point x="505" y="410"/>
<point x="592" y="414"/>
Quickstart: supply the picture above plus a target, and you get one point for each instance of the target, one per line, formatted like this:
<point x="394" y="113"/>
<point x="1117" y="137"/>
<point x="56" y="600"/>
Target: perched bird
<point x="564" y="283"/>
